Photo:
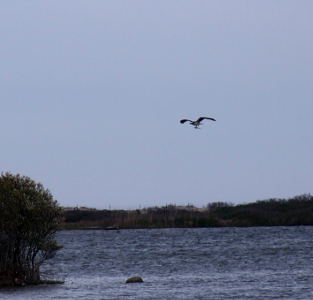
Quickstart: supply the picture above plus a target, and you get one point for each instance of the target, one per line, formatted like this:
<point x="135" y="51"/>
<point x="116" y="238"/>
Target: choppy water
<point x="208" y="263"/>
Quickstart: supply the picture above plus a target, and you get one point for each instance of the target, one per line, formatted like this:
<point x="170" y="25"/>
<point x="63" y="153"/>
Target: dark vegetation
<point x="29" y="219"/>
<point x="272" y="212"/>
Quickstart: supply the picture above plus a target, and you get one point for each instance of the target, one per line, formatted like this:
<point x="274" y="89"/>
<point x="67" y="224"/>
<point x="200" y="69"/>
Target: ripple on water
<point x="207" y="263"/>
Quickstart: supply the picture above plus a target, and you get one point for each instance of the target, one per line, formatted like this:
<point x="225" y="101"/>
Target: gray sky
<point x="92" y="93"/>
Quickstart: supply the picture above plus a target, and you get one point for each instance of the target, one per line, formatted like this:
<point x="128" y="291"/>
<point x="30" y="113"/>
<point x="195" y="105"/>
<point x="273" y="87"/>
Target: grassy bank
<point x="272" y="212"/>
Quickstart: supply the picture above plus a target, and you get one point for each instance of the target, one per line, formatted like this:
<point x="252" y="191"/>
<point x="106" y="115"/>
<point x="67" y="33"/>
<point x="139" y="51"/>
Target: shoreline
<point x="272" y="212"/>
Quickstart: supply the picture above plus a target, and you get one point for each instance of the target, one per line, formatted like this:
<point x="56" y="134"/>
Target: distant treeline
<point x="272" y="212"/>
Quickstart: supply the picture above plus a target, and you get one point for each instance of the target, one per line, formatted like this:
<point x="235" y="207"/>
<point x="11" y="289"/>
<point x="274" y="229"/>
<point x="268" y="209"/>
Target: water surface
<point x="206" y="263"/>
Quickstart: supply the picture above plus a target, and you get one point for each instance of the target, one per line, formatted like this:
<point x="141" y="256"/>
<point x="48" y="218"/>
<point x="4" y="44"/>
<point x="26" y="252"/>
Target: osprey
<point x="196" y="123"/>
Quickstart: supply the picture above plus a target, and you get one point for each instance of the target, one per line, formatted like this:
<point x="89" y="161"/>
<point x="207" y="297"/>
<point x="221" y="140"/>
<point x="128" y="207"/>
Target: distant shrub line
<point x="272" y="212"/>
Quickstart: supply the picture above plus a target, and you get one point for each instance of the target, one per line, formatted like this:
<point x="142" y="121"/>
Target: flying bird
<point x="196" y="123"/>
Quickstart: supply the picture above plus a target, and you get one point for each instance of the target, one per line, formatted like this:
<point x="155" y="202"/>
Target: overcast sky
<point x="92" y="93"/>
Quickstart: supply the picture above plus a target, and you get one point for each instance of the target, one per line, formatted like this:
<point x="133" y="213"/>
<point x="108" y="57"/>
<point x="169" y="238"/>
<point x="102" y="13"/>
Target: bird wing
<point x="202" y="118"/>
<point x="184" y="120"/>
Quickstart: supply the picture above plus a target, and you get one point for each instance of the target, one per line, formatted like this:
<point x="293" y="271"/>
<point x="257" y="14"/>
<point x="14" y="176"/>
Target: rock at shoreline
<point x="19" y="281"/>
<point x="134" y="279"/>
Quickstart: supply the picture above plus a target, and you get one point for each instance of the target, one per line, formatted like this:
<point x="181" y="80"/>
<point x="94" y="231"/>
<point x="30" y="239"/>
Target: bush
<point x="29" y="219"/>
